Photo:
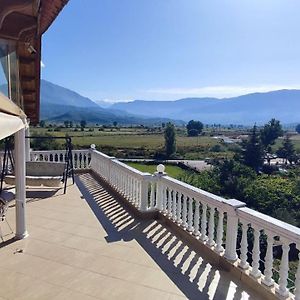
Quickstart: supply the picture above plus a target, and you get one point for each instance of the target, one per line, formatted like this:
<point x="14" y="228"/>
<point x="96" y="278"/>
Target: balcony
<point x="119" y="233"/>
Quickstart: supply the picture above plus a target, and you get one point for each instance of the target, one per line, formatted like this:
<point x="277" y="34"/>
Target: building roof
<point x="24" y="21"/>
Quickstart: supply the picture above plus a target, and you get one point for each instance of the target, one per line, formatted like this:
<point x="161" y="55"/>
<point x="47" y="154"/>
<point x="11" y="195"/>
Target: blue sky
<point x="118" y="50"/>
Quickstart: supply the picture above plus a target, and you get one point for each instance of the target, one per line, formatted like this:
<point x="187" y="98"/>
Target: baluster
<point x="152" y="194"/>
<point x="203" y="222"/>
<point x="297" y="281"/>
<point x="140" y="193"/>
<point x="196" y="219"/>
<point x="256" y="254"/>
<point x="284" y="269"/>
<point x="164" y="199"/>
<point x="174" y="202"/>
<point x="244" y="247"/>
<point x="268" y="281"/>
<point x="211" y="226"/>
<point x="220" y="230"/>
<point x="190" y="215"/>
<point x="184" y="212"/>
<point x="179" y="208"/>
<point x="169" y="202"/>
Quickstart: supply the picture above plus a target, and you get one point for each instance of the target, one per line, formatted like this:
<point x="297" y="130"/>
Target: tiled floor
<point x="84" y="245"/>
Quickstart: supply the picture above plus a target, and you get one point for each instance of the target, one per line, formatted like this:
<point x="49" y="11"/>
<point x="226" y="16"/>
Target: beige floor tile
<point x="76" y="253"/>
<point x="72" y="295"/>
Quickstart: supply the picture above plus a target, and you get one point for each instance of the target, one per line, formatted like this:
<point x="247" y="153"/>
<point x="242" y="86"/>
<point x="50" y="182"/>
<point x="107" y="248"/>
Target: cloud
<point x="218" y="91"/>
<point x="42" y="65"/>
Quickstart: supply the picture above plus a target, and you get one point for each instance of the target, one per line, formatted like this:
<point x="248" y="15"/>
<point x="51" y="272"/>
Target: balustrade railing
<point x="81" y="158"/>
<point x="265" y="248"/>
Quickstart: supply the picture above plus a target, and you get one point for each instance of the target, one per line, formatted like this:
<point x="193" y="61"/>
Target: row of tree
<point x="258" y="147"/>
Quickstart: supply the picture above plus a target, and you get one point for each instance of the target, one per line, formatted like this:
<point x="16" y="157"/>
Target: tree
<point x="196" y="125"/>
<point x="287" y="150"/>
<point x="42" y="123"/>
<point x="298" y="128"/>
<point x="71" y="124"/>
<point x="66" y="124"/>
<point x="82" y="124"/>
<point x="115" y="123"/>
<point x="170" y="139"/>
<point x="252" y="153"/>
<point x="270" y="132"/>
<point x="42" y="143"/>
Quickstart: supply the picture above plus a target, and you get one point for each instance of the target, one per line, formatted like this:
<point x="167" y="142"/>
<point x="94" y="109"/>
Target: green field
<point x="147" y="142"/>
<point x="171" y="170"/>
<point x="132" y="142"/>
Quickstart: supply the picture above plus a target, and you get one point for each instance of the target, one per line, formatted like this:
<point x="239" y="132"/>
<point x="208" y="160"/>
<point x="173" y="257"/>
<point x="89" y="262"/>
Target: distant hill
<point x="61" y="104"/>
<point x="248" y="109"/>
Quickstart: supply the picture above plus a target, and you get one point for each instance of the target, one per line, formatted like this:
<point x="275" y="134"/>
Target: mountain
<point x="60" y="104"/>
<point x="54" y="94"/>
<point x="247" y="109"/>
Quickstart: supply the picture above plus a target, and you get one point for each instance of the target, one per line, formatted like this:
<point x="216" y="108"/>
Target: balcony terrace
<point x="120" y="233"/>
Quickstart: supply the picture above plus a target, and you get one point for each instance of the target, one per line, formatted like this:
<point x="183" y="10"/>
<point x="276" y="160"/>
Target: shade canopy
<point x="12" y="118"/>
<point x="9" y="125"/>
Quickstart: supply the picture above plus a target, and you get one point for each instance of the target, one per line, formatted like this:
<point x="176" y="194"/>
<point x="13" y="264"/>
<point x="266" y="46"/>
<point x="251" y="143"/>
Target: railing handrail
<point x="195" y="192"/>
<point x="265" y="222"/>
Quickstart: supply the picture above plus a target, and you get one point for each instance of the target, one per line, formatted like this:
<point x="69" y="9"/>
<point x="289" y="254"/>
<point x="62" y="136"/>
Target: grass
<point x="133" y="142"/>
<point x="171" y="170"/>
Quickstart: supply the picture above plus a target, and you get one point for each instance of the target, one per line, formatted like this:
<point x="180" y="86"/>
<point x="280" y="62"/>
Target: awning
<point x="12" y="118"/>
<point x="9" y="125"/>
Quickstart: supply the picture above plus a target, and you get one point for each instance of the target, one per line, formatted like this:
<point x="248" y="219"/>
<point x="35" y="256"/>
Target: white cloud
<point x="218" y="91"/>
<point x="42" y="65"/>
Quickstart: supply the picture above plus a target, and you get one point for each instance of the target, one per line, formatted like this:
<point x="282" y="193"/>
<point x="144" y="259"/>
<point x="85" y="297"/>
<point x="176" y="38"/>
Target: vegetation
<point x="171" y="170"/>
<point x="298" y="128"/>
<point x="194" y="128"/>
<point x="170" y="140"/>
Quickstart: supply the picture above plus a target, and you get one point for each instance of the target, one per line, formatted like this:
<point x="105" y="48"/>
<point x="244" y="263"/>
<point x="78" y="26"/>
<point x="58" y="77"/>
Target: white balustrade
<point x="81" y="158"/>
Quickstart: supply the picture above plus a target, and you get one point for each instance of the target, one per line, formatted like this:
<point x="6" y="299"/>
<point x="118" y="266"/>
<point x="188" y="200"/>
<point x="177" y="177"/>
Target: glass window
<point x="4" y="68"/>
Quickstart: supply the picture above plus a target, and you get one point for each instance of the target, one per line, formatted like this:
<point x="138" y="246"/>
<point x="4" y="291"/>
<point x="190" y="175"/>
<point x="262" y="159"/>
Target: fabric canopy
<point x="9" y="125"/>
<point x="7" y="106"/>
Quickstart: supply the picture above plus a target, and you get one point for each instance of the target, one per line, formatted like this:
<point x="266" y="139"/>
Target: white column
<point x="196" y="218"/>
<point x="220" y="229"/>
<point x="27" y="144"/>
<point x="268" y="281"/>
<point x="144" y="194"/>
<point x="184" y="212"/>
<point x="21" y="231"/>
<point x="244" y="246"/>
<point x="284" y="269"/>
<point x="297" y="281"/>
<point x="231" y="236"/>
<point x="179" y="208"/>
<point x="211" y="227"/>
<point x="190" y="215"/>
<point x="256" y="254"/>
<point x="203" y="222"/>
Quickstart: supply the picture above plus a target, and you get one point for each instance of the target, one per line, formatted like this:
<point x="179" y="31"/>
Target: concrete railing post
<point x="159" y="187"/>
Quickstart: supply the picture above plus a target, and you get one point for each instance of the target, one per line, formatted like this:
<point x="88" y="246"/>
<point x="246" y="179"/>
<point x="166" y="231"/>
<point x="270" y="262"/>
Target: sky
<point x="120" y="50"/>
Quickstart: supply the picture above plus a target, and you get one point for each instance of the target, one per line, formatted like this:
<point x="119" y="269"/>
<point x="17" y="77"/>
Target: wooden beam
<point x="26" y="60"/>
<point x="27" y="78"/>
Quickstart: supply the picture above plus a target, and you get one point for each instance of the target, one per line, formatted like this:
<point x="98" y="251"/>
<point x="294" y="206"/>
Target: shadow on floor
<point x="194" y="276"/>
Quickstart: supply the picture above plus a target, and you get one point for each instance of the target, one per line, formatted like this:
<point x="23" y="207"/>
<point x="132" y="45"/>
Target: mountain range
<point x="60" y="104"/>
<point x="247" y="109"/>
